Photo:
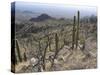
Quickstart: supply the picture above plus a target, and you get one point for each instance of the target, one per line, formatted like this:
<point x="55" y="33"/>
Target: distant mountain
<point x="24" y="16"/>
<point x="28" y="12"/>
<point x="42" y="17"/>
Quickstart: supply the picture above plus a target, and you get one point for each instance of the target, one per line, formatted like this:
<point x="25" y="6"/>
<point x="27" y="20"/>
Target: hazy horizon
<point x="56" y="10"/>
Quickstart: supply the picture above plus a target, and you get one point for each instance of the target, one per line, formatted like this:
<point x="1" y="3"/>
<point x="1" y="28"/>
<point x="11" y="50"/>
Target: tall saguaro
<point x="49" y="43"/>
<point x="44" y="56"/>
<point x="25" y="57"/>
<point x="18" y="51"/>
<point x="39" y="55"/>
<point x="73" y="32"/>
<point x="56" y="44"/>
<point x="77" y="30"/>
<point x="56" y="50"/>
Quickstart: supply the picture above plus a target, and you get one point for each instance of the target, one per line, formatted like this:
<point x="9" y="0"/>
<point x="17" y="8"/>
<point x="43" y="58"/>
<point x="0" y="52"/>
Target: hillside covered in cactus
<point x="54" y="38"/>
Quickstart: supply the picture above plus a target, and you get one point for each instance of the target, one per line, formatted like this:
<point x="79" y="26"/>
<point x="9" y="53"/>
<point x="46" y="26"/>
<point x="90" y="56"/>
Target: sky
<point x="56" y="10"/>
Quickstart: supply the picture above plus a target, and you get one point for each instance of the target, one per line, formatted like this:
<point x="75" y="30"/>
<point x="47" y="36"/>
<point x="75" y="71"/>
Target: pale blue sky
<point x="56" y="10"/>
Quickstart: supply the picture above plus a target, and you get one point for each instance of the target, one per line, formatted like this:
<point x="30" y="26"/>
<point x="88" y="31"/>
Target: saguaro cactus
<point x="73" y="32"/>
<point x="44" y="56"/>
<point x="77" y="30"/>
<point x="39" y="52"/>
<point x="25" y="58"/>
<point x="18" y="51"/>
<point x="49" y="43"/>
<point x="56" y="49"/>
<point x="83" y="45"/>
<point x="39" y="55"/>
<point x="56" y="44"/>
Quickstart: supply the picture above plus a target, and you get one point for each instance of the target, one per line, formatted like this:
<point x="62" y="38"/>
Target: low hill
<point x="42" y="17"/>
